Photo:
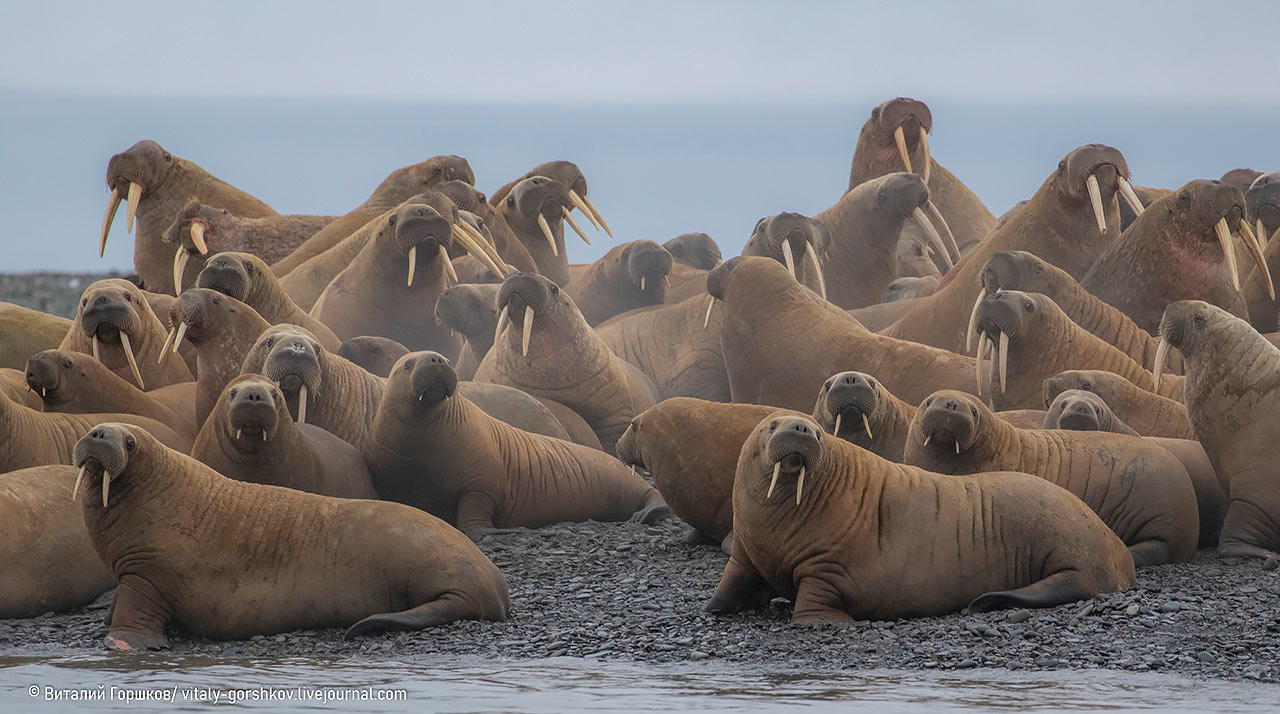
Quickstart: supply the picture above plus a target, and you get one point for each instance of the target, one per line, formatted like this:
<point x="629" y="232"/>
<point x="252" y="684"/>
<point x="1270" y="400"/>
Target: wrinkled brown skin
<point x="1057" y="224"/>
<point x="395" y="189"/>
<point x="160" y="305"/>
<point x="75" y="383"/>
<point x="433" y="449"/>
<point x="671" y="346"/>
<point x="853" y="395"/>
<point x="371" y="295"/>
<point x="472" y="204"/>
<point x="909" y="289"/>
<point x="13" y="386"/>
<point x="376" y="355"/>
<point x="991" y="541"/>
<point x="1263" y="203"/>
<point x="1146" y="413"/>
<point x="471" y="311"/>
<point x="1020" y="270"/>
<point x="612" y="285"/>
<point x="686" y="282"/>
<point x="1240" y="178"/>
<point x="24" y="332"/>
<point x="225" y="559"/>
<point x="260" y="443"/>
<point x="690" y="448"/>
<point x="865" y="225"/>
<point x="109" y="306"/>
<point x="46" y="561"/>
<point x="780" y="342"/>
<point x="1043" y="342"/>
<point x="913" y="260"/>
<point x="247" y="278"/>
<point x="882" y="316"/>
<point x="567" y="360"/>
<point x="221" y="329"/>
<point x="167" y="183"/>
<point x="1147" y="195"/>
<point x="1233" y="398"/>
<point x="1172" y="253"/>
<point x="799" y="232"/>
<point x="520" y="207"/>
<point x="271" y="238"/>
<point x="1139" y="489"/>
<point x="472" y="272"/>
<point x="695" y="250"/>
<point x="876" y="154"/>
<point x="1078" y="410"/>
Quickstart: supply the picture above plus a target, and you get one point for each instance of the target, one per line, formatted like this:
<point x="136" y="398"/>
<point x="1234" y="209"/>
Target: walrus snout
<point x="948" y="421"/>
<point x="1001" y="313"/>
<point x="1262" y="201"/>
<point x="417" y="226"/>
<point x="849" y="399"/>
<point x="104" y="450"/>
<point x="1074" y="410"/>
<point x="293" y="356"/>
<point x="225" y="274"/>
<point x="255" y="405"/>
<point x="648" y="265"/>
<point x="719" y="277"/>
<point x="540" y="195"/>
<point x="626" y="448"/>
<point x="44" y="371"/>
<point x="793" y="447"/>
<point x="525" y="289"/>
<point x="432" y="377"/>
<point x="1010" y="270"/>
<point x="106" y="316"/>
<point x="910" y="114"/>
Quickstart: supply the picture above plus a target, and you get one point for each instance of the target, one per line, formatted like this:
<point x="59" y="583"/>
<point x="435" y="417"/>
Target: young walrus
<point x="247" y="278"/>
<point x="830" y="526"/>
<point x="631" y="275"/>
<point x="250" y="436"/>
<point x="225" y="559"/>
<point x="471" y="311"/>
<point x="1145" y="412"/>
<point x="432" y="448"/>
<point x="376" y="354"/>
<point x="115" y="323"/>
<point x="1138" y="489"/>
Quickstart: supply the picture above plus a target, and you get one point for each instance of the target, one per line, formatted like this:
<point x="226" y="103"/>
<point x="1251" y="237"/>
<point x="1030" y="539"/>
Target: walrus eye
<point x="773" y="425"/>
<point x="271" y="341"/>
<point x="1029" y="307"/>
<point x="84" y="301"/>
<point x="167" y="157"/>
<point x="1062" y="166"/>
<point x="374" y="350"/>
<point x="511" y="201"/>
<point x="555" y="290"/>
<point x="215" y="300"/>
<point x="248" y="267"/>
<point x="1086" y="386"/>
<point x="391" y="220"/>
<point x="928" y="401"/>
<point x="128" y="297"/>
<point x="875" y="114"/>
<point x="130" y="442"/>
<point x="1037" y="269"/>
<point x="233" y="394"/>
<point x="973" y="411"/>
<point x="1199" y="318"/>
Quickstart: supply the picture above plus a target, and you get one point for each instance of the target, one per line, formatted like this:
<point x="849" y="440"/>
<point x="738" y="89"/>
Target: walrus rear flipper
<point x="655" y="509"/>
<point x="447" y="608"/>
<point x="1057" y="589"/>
<point x="741" y="588"/>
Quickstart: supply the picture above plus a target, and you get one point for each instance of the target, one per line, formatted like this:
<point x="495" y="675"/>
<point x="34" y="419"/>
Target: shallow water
<point x="570" y="684"/>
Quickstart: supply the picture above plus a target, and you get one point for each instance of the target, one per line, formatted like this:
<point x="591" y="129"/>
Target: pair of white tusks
<point x="1095" y="199"/>
<point x="1251" y="244"/>
<point x="551" y="238"/>
<point x="174" y="337"/>
<point x="128" y="354"/>
<point x="238" y="431"/>
<point x="504" y="318"/>
<point x="865" y="424"/>
<point x="1002" y="367"/>
<point x="935" y="239"/>
<point x="106" y="484"/>
<point x="475" y="243"/>
<point x="444" y="258"/>
<point x="589" y="210"/>
<point x="113" y="205"/>
<point x="929" y="438"/>
<point x="777" y="468"/>
<point x="811" y="257"/>
<point x="181" y="257"/>
<point x="900" y="137"/>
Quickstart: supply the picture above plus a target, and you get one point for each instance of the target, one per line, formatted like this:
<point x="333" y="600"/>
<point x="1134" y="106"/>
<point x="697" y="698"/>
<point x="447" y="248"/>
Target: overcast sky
<point x="599" y="51"/>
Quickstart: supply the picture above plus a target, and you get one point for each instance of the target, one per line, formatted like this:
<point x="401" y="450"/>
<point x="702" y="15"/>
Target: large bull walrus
<point x="676" y="346"/>
<point x="115" y="323"/>
<point x="829" y="525"/>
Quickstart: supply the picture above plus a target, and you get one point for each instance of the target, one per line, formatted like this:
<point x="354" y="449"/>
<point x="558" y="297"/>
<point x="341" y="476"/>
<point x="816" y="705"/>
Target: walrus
<point x="475" y="209"/>
<point x="430" y="447"/>
<point x="1262" y="207"/>
<point x="913" y="257"/>
<point x="14" y="387"/>
<point x="909" y="289"/>
<point x="631" y="275"/>
<point x="854" y="407"/>
<point x="696" y="250"/>
<point x="837" y="548"/>
<point x="471" y="311"/>
<point x="796" y="241"/>
<point x="250" y="436"/>
<point x="535" y="209"/>
<point x="376" y="354"/>
<point x="75" y="383"/>
<point x="156" y="185"/>
<point x="865" y="225"/>
<point x="115" y="324"/>
<point x="878" y="317"/>
<point x="809" y="339"/>
<point x="690" y="448"/>
<point x="46" y="561"/>
<point x="1138" y="489"/>
<point x="162" y="523"/>
<point x="396" y="188"/>
<point x="1145" y="412"/>
<point x="1180" y="248"/>
<point x="1146" y="196"/>
<point x="895" y="138"/>
<point x="248" y="279"/>
<point x="1078" y="410"/>
<point x="200" y="230"/>
<point x="676" y="346"/>
<point x="567" y="174"/>
<point x="222" y="330"/>
<point x="27" y="332"/>
<point x="1069" y="222"/>
<point x="1240" y="178"/>
<point x="558" y="356"/>
<point x="1233" y="380"/>
<point x="1262" y="204"/>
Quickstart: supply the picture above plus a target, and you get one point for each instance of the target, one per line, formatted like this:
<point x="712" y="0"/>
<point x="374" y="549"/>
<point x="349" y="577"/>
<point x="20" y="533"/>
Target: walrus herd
<point x="900" y="406"/>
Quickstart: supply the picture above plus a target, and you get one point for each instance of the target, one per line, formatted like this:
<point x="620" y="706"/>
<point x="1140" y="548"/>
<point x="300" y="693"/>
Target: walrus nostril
<point x="100" y="301"/>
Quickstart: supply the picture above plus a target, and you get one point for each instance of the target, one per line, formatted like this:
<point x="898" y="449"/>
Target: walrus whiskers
<point x="180" y="259"/>
<point x="936" y="216"/>
<point x="924" y="145"/>
<point x="79" y="477"/>
<point x="812" y="257"/>
<point x="596" y="212"/>
<point x="133" y="362"/>
<point x="973" y="320"/>
<point x="1004" y="358"/>
<point x="302" y="404"/>
<point x="867" y="425"/>
<point x="1254" y="247"/>
<point x="900" y="138"/>
<point x="788" y="258"/>
<point x="568" y="219"/>
<point x="1130" y="197"/>
<point x="799" y="485"/>
<point x="577" y="201"/>
<point x="197" y="237"/>
<point x="546" y="232"/>
<point x="528" y="330"/>
<point x="1095" y="199"/>
<point x="777" y="468"/>
<point x="1228" y="251"/>
<point x="1162" y="353"/>
<point x="113" y="205"/>
<point x="934" y="237"/>
<point x="707" y="319"/>
<point x="135" y="193"/>
<point x="413" y="262"/>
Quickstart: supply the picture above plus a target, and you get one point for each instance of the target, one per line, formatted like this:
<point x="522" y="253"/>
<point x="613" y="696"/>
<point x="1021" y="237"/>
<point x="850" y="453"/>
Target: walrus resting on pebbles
<point x="1138" y="489"/>
<point x="376" y="354"/>
<point x="247" y="278"/>
<point x="46" y="561"/>
<point x="1233" y="398"/>
<point x="161" y="522"/>
<point x="829" y="525"/>
<point x="27" y="332"/>
<point x="432" y="448"/>
<point x="629" y="276"/>
<point x="1147" y="413"/>
<point x="115" y="324"/>
<point x="696" y="250"/>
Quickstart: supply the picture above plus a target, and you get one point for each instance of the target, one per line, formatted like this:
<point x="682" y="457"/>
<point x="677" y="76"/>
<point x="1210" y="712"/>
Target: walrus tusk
<point x="79" y="477"/>
<point x="927" y="439"/>
<point x="179" y="264"/>
<point x="837" y="431"/>
<point x="164" y="349"/>
<point x="528" y="330"/>
<point x="489" y="248"/>
<point x="973" y="320"/>
<point x="569" y="219"/>
<point x="502" y="322"/>
<point x="777" y="468"/>
<point x="957" y="447"/>
<point x="94" y="345"/>
<point x="799" y="485"/>
<point x="106" y="486"/>
<point x="197" y="237"/>
<point x="934" y="237"/>
<point x="135" y="193"/>
<point x="596" y="212"/>
<point x="133" y="362"/>
<point x="448" y="264"/>
<point x="1004" y="358"/>
<point x="707" y="319"/>
<point x="1262" y="231"/>
<point x="1162" y="353"/>
<point x="546" y="232"/>
<point x="812" y="257"/>
<point x="788" y="258"/>
<point x="1254" y="247"/>
<point x="302" y="404"/>
<point x="936" y="216"/>
<point x="1095" y="199"/>
<point x="867" y="425"/>
<point x="238" y="433"/>
<point x="476" y="251"/>
<point x="901" y="138"/>
<point x="1130" y="197"/>
<point x="1228" y="251"/>
<point x="577" y="201"/>
<point x="982" y="357"/>
<point x="413" y="263"/>
<point x="113" y="205"/>
<point x="641" y="283"/>
<point x="177" y="338"/>
<point x="924" y="144"/>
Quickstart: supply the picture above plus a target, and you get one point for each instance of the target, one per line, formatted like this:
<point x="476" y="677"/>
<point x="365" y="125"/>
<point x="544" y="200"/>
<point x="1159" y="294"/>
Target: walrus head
<point x="627" y="449"/>
<point x="196" y="227"/>
<point x="415" y="234"/>
<point x="422" y="379"/>
<point x="908" y="288"/>
<point x="719" y="277"/>
<point x="110" y="316"/>
<point x="793" y="240"/>
<point x="1013" y="317"/>
<point x="103" y="454"/>
<point x="949" y="423"/>
<point x="792" y="448"/>
<point x="409" y="180"/>
<point x="567" y="174"/>
<point x="131" y="175"/>
<point x="847" y="403"/>
<point x="376" y="354"/>
<point x="1088" y="178"/>
<point x="1196" y="329"/>
<point x="896" y="131"/>
<point x="641" y="268"/>
<point x="538" y="205"/>
<point x="471" y="310"/>
<point x="55" y="375"/>
<point x="1076" y="379"/>
<point x="696" y="250"/>
<point x="1013" y="270"/>
<point x="1263" y="201"/>
<point x="232" y="274"/>
<point x="292" y="358"/>
<point x="526" y="295"/>
<point x="255" y="409"/>
<point x="1078" y="410"/>
<point x="197" y="315"/>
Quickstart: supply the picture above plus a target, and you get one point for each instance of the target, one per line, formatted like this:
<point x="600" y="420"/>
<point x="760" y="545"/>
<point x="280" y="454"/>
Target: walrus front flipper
<point x="818" y="602"/>
<point x="1057" y="589"/>
<point x="1245" y="550"/>
<point x="741" y="588"/>
<point x="1150" y="552"/>
<point x="437" y="612"/>
<point x="655" y="509"/>
<point x="135" y="623"/>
